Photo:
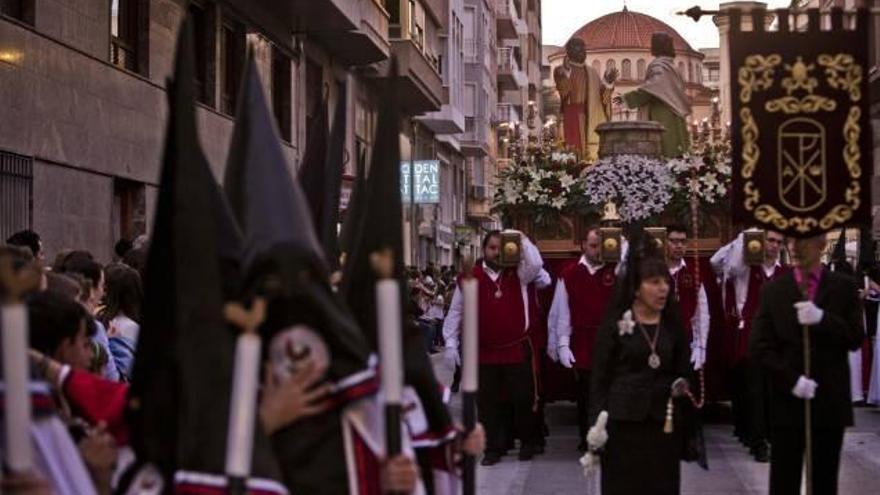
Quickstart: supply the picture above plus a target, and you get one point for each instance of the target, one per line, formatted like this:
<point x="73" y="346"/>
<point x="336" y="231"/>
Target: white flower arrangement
<point x="551" y="185"/>
<point x="639" y="186"/>
<point x="710" y="182"/>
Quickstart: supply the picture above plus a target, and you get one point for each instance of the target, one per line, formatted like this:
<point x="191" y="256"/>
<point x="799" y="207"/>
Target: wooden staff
<point x="808" y="411"/>
<point x="469" y="372"/>
<point x="243" y="399"/>
<point x="388" y="315"/>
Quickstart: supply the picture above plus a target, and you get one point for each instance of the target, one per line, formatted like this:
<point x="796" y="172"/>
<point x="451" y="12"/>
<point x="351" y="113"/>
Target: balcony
<point x="506" y="112"/>
<point x="419" y="86"/>
<point x="479" y="205"/>
<point x="354" y="30"/>
<point x="509" y="22"/>
<point x="368" y="43"/>
<point x="534" y="74"/>
<point x="510" y="76"/>
<point x="475" y="139"/>
<point x="449" y="120"/>
<point x="516" y="98"/>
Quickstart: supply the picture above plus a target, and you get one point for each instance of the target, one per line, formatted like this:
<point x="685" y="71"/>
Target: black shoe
<point x="761" y="452"/>
<point x="490" y="459"/>
<point x="526" y="452"/>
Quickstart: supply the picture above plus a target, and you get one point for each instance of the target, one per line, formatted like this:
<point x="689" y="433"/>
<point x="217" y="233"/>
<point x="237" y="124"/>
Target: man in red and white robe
<point x="507" y="371"/>
<point x="689" y="291"/>
<point x="579" y="305"/>
<point x="742" y="289"/>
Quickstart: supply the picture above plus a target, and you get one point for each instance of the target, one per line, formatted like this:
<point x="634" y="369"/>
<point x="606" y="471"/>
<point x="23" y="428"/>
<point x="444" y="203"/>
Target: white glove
<point x="597" y="436"/>
<point x="553" y="352"/>
<point x="805" y="388"/>
<point x="698" y="355"/>
<point x="452" y="356"/>
<point x="808" y="313"/>
<point x="566" y="358"/>
<point x="563" y="351"/>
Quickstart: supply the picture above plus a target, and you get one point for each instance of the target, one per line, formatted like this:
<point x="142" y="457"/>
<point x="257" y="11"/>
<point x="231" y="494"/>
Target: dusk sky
<point x="561" y="18"/>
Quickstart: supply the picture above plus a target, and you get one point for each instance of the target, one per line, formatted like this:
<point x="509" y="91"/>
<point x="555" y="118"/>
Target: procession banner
<point x="802" y="144"/>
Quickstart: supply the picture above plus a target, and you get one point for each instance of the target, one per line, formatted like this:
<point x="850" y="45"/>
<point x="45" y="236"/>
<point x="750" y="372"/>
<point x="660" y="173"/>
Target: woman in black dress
<point x="641" y="359"/>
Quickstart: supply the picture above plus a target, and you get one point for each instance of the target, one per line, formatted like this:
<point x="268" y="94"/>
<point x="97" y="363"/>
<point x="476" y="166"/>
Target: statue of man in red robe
<point x="585" y="98"/>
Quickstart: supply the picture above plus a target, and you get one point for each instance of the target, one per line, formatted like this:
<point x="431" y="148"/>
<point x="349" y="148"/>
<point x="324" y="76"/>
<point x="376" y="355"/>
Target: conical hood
<point x="179" y="397"/>
<point x="353" y="213"/>
<point x="866" y="251"/>
<point x="269" y="205"/>
<point x="329" y="217"/>
<point x="313" y="172"/>
<point x="285" y="265"/>
<point x="381" y="227"/>
<point x="838" y="254"/>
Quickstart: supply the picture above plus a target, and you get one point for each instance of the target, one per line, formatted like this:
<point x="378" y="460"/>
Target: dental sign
<point x="426" y="180"/>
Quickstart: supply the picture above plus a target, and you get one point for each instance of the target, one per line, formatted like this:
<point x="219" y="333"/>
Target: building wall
<point x="86" y="121"/>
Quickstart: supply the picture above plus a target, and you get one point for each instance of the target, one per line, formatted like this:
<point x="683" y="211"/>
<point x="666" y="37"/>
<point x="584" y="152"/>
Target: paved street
<point x="732" y="471"/>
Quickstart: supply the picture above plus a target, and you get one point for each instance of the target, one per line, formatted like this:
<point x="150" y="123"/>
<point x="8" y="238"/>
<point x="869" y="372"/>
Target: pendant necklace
<point x="654" y="358"/>
<point x="498" y="292"/>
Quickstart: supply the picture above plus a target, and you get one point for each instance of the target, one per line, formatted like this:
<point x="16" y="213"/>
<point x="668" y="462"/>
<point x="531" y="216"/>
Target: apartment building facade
<point x="82" y="83"/>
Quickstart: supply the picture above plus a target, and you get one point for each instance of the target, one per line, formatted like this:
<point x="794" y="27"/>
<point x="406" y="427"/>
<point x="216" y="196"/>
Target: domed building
<point x="622" y="40"/>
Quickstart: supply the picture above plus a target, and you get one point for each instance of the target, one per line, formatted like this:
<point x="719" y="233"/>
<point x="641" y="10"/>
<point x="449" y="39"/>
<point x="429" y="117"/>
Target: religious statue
<point x="662" y="97"/>
<point x="585" y="98"/>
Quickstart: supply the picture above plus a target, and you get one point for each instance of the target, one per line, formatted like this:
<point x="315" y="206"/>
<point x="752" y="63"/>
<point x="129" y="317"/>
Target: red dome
<point x="627" y="30"/>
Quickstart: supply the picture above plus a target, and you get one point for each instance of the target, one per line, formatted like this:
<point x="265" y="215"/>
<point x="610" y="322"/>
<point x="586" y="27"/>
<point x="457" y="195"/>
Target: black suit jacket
<point x="777" y="345"/>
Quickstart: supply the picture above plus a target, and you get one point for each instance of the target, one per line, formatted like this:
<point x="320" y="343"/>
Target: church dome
<point x="627" y="30"/>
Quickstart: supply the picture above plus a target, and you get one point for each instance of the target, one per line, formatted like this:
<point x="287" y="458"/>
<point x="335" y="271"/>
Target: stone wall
<point x="71" y="210"/>
<point x="86" y="121"/>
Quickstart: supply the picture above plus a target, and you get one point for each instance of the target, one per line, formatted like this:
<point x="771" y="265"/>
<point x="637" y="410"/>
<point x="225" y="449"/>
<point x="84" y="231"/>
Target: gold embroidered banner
<point x="802" y="143"/>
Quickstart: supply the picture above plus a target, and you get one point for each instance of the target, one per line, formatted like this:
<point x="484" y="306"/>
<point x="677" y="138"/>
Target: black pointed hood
<point x="179" y="396"/>
<point x="381" y="227"/>
<point x="838" y="254"/>
<point x="269" y="205"/>
<point x="353" y="213"/>
<point x="284" y="264"/>
<point x="328" y="222"/>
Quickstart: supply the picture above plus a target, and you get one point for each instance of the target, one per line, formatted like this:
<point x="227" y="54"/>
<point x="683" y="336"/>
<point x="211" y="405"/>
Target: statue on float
<point x="585" y="98"/>
<point x="662" y="97"/>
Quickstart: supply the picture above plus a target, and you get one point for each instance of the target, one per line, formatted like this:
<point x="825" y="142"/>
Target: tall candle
<point x="16" y="377"/>
<point x="242" y="406"/>
<point x="390" y="336"/>
<point x="470" y="346"/>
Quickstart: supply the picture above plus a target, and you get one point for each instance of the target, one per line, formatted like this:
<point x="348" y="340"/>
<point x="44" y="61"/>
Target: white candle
<point x="390" y="348"/>
<point x="470" y="346"/>
<point x="16" y="373"/>
<point x="242" y="406"/>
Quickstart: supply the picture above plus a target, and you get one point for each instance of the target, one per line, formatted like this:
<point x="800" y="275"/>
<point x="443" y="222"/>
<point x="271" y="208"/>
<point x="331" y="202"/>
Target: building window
<point x="205" y="39"/>
<point x="681" y="71"/>
<point x="16" y="193"/>
<point x="640" y="69"/>
<point x="281" y="91"/>
<point x="232" y="48"/>
<point x="129" y="209"/>
<point x="610" y="64"/>
<point x="690" y="72"/>
<point x="23" y="10"/>
<point x="626" y="69"/>
<point x="129" y="21"/>
<point x="597" y="66"/>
